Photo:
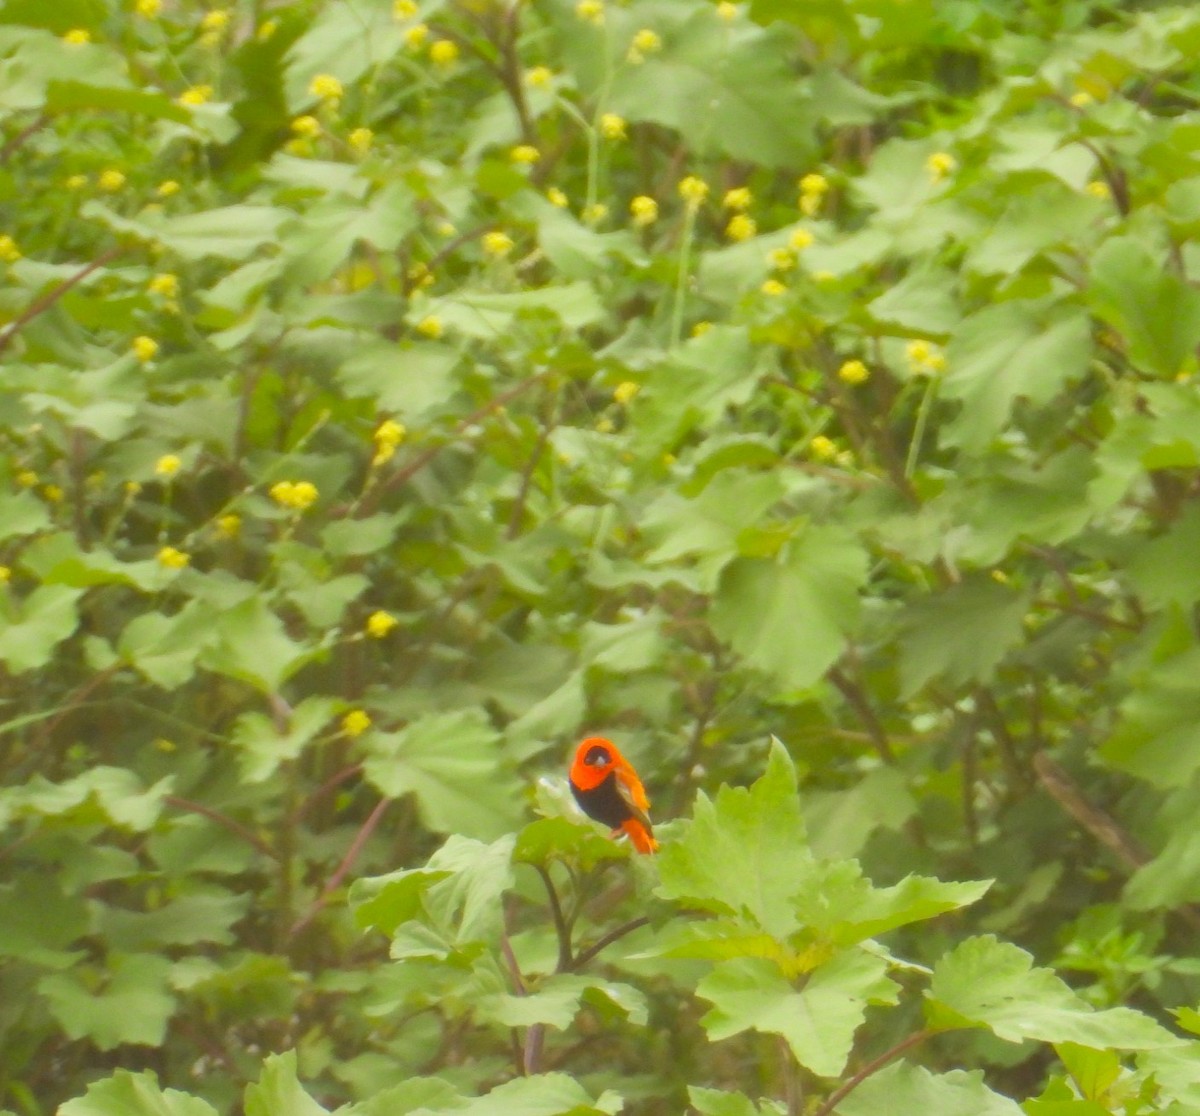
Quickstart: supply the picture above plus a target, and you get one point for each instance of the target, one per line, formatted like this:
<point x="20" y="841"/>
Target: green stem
<point x="681" y="281"/>
<point x="914" y="447"/>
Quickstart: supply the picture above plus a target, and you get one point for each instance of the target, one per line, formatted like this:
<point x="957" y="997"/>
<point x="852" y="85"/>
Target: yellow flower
<point x="145" y="348"/>
<point x="773" y="288"/>
<point x="308" y="127"/>
<point x="939" y="165"/>
<point x="420" y="276"/>
<point x="727" y="11"/>
<point x="1082" y="99"/>
<point x="740" y="227"/>
<point x="556" y="197"/>
<point x="215" y="21"/>
<point x="27" y="478"/>
<point x="594" y="213"/>
<point x="132" y="488"/>
<point x="781" y="259"/>
<point x="737" y="199"/>
<point x="148" y="9"/>
<point x="415" y="36"/>
<point x="1098" y="189"/>
<point x="591" y="11"/>
<point x="853" y="372"/>
<point x="822" y="448"/>
<point x="195" y="95"/>
<point x="389" y="433"/>
<point x="167" y="188"/>
<point x="53" y="493"/>
<point x="173" y="559"/>
<point x="164" y="284"/>
<point x="326" y="86"/>
<point x="643" y="210"/>
<point x="445" y="228"/>
<point x="612" y="126"/>
<point x="701" y="328"/>
<point x="380" y="623"/>
<point x="298" y="495"/>
<point x="624" y="392"/>
<point x="605" y="425"/>
<point x="167" y="465"/>
<point x="813" y="184"/>
<point x="76" y="181"/>
<point x="693" y="190"/>
<point x="355" y="723"/>
<point x="644" y="42"/>
<point x="229" y="526"/>
<point x="924" y="357"/>
<point x="403" y="9"/>
<point x="539" y="76"/>
<point x="111" y="180"/>
<point x="165" y="745"/>
<point x="9" y="252"/>
<point x="266" y="29"/>
<point x="800" y="239"/>
<point x="5" y="575"/>
<point x="524" y="154"/>
<point x="497" y="244"/>
<point x="443" y="53"/>
<point x="430" y="326"/>
<point x="77" y="36"/>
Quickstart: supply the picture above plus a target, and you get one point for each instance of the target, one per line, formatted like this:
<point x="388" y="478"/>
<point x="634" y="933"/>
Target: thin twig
<point x="560" y="924"/>
<point x="43" y="303"/>
<point x="847" y="1087"/>
<point x="19" y="139"/>
<point x="222" y="820"/>
<point x="603" y="943"/>
<point x="343" y="869"/>
<point x="852" y="692"/>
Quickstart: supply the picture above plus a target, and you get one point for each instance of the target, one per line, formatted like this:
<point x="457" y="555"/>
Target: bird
<point x="608" y="789"/>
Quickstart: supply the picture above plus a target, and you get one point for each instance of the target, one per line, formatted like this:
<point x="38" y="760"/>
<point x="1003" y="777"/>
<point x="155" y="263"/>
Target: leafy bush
<point x="396" y="390"/>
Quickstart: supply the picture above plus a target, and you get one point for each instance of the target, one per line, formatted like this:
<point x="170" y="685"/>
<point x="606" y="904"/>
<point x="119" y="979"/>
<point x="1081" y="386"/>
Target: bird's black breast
<point x="604" y="802"/>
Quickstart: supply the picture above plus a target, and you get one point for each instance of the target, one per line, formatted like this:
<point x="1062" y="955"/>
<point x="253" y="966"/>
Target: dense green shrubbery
<point x="395" y="391"/>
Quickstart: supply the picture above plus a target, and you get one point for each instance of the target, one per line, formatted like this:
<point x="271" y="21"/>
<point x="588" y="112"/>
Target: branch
<point x="565" y="962"/>
<point x="612" y="936"/>
<point x="43" y="303"/>
<point x="857" y="700"/>
<point x="343" y="869"/>
<point x="223" y="820"/>
<point x="874" y="1066"/>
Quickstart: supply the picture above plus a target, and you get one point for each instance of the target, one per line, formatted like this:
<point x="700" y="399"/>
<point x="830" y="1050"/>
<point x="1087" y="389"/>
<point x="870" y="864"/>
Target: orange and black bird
<point x="608" y="789"/>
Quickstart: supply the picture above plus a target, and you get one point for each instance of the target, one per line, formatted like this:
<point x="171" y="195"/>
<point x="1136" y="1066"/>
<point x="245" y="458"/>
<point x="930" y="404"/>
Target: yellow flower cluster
<point x="497" y="244"/>
<point x="940" y="165"/>
<point x="297" y="495"/>
<point x="172" y="558"/>
<point x="741" y="227"/>
<point x="430" y="326"/>
<point x="145" y="348"/>
<point x="380" y="623"/>
<point x="415" y="36"/>
<point x="195" y="95"/>
<point x="625" y="391"/>
<point x="539" y="76"/>
<point x="148" y="9"/>
<point x="591" y="11"/>
<point x="822" y="448"/>
<point x="403" y="9"/>
<point x="229" y="526"/>
<point x="388" y="435"/>
<point x="524" y="154"/>
<point x="306" y="127"/>
<point x="643" y="210"/>
<point x="355" y="723"/>
<point x="924" y="358"/>
<point x="737" y="199"/>
<point x="612" y="126"/>
<point x="9" y="252"/>
<point x="327" y="87"/>
<point x="443" y="53"/>
<point x="167" y="465"/>
<point x="111" y="180"/>
<point x="693" y="190"/>
<point x="593" y="214"/>
<point x="644" y="42"/>
<point x="360" y="140"/>
<point x="854" y="372"/>
<point x="77" y="36"/>
<point x="165" y="284"/>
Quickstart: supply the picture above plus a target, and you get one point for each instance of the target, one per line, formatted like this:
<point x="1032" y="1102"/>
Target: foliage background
<point x="395" y="392"/>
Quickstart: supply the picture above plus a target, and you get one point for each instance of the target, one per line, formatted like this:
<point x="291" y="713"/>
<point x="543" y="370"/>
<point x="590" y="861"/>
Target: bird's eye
<point x="597" y="757"/>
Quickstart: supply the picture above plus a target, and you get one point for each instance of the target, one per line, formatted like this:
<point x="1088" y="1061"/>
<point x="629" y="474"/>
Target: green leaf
<point x="961" y="634"/>
<point x="557" y="1000"/>
<point x="790" y="616"/>
<point x="21" y="513"/>
<point x="386" y="902"/>
<point x="278" y="1091"/>
<point x="232" y="232"/>
<point x="547" y="1094"/>
<point x="62" y="96"/>
<point x="264" y="746"/>
<point x="164" y="649"/>
<point x="902" y="1087"/>
<point x="745" y="853"/>
<point x="818" y="1022"/>
<point x="985" y="982"/>
<point x="483" y="315"/>
<point x="451" y="763"/>
<point x="38" y="921"/>
<point x="133" y="1006"/>
<point x="30" y="631"/>
<point x="715" y="1102"/>
<point x="134" y="1094"/>
<point x="1018" y="349"/>
<point x="250" y="643"/>
<point x="1156" y="310"/>
<point x="549" y="839"/>
<point x="921" y="302"/>
<point x="186" y="921"/>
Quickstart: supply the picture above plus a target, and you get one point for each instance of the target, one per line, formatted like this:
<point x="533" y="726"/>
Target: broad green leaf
<point x="903" y="1087"/>
<point x="840" y="822"/>
<point x="549" y="839"/>
<point x="32" y="629"/>
<point x="556" y="1001"/>
<point x="483" y="315"/>
<point x="744" y="853"/>
<point x="164" y="648"/>
<point x="354" y="538"/>
<point x="1162" y="569"/>
<point x="790" y="616"/>
<point x="961" y="634"/>
<point x="104" y="794"/>
<point x="38" y="921"/>
<point x="133" y="1005"/>
<point x="467" y="903"/>
<point x="547" y="1094"/>
<point x="134" y="1094"/>
<point x="1013" y="350"/>
<point x="385" y="902"/>
<point x="451" y="763"/>
<point x="922" y="302"/>
<point x="1157" y="311"/>
<point x="251" y="643"/>
<point x="21" y="513"/>
<point x="232" y="232"/>
<point x="818" y="1022"/>
<point x="186" y="921"/>
<point x="278" y="1091"/>
<point x="264" y="745"/>
<point x="985" y="982"/>
<point x="716" y="1102"/>
<point x="62" y="96"/>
